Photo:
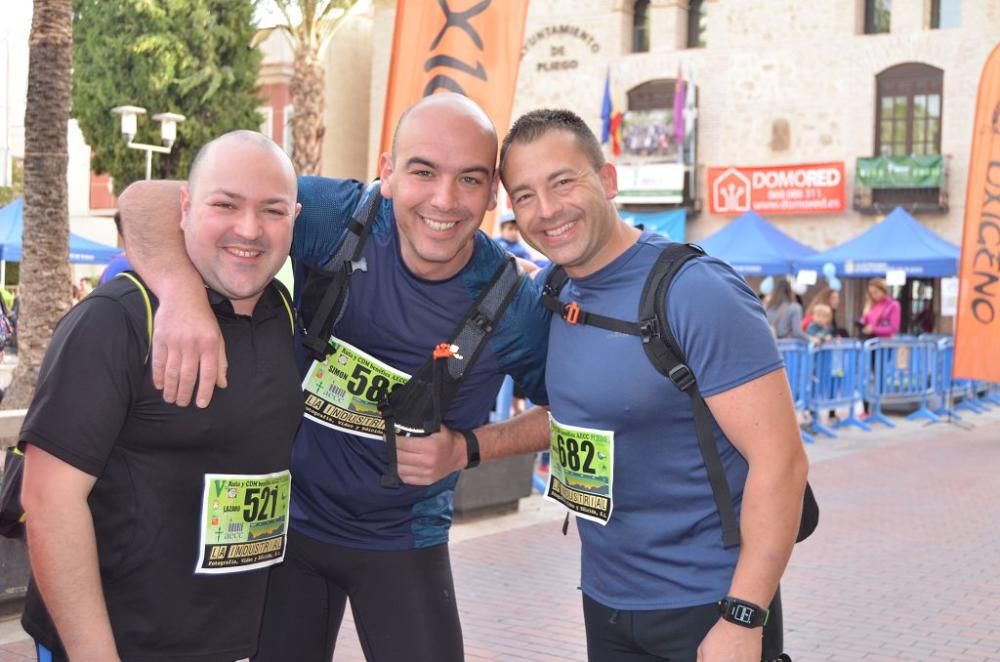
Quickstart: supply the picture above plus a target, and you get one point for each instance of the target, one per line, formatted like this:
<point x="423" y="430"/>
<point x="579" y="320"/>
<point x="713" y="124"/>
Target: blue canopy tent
<point x="898" y="242"/>
<point x="754" y="247"/>
<point x="81" y="250"/>
<point x="668" y="223"/>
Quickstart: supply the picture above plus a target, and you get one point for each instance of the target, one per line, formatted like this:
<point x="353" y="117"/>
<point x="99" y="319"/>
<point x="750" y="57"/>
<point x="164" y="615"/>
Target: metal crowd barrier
<point x="839" y="372"/>
<point x="798" y="366"/>
<point x="902" y="371"/>
<point x="884" y="372"/>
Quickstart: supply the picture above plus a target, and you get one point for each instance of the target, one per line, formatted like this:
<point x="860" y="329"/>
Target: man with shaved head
<point x="424" y="266"/>
<point x="150" y="526"/>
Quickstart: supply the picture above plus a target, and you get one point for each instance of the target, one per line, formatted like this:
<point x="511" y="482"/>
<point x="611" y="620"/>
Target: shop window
<point x="697" y="24"/>
<point x="946" y="14"/>
<point x="640" y="27"/>
<point x="908" y="110"/>
<point x="878" y="16"/>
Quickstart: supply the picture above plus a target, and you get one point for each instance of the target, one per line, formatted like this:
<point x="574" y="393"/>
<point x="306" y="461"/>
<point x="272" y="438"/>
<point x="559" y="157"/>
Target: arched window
<point x="697" y="22"/>
<point x="908" y="110"/>
<point x="640" y="27"/>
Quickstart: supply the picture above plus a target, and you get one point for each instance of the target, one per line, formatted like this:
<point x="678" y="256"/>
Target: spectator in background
<point x="119" y="263"/>
<point x="510" y="238"/>
<point x="827" y="297"/>
<point x="821" y="328"/>
<point x="86" y="287"/>
<point x="881" y="316"/>
<point x="784" y="313"/>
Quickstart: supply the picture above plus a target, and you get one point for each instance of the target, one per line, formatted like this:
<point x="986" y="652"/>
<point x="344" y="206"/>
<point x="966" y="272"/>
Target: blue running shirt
<point x="398" y="318"/>
<point x="662" y="547"/>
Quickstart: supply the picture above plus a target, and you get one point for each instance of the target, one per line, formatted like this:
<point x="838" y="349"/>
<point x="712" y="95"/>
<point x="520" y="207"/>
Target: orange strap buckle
<point x="572" y="312"/>
<point x="443" y="351"/>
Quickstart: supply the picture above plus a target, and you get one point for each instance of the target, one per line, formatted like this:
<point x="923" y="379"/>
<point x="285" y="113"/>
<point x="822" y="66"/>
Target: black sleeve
<point x="94" y="365"/>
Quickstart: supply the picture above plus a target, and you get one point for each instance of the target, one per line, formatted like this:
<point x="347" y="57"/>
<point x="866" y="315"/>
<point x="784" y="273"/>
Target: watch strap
<point x="471" y="448"/>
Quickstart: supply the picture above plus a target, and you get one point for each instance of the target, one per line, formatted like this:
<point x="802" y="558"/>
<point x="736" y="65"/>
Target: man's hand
<point x="187" y="346"/>
<point x="426" y="460"/>
<point x="728" y="642"/>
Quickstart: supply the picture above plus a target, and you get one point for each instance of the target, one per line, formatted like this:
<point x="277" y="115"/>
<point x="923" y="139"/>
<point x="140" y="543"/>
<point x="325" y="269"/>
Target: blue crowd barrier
<point x="795" y="353"/>
<point x="505" y="396"/>
<point x="901" y="371"/>
<point x="948" y="388"/>
<point x="838" y="379"/>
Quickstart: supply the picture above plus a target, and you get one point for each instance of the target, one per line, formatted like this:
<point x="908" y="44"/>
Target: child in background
<point x="821" y="328"/>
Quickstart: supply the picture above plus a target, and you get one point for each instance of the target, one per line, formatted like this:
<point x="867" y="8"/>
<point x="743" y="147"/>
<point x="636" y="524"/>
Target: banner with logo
<point x="977" y="324"/>
<point x="900" y="171"/>
<point x="650" y="183"/>
<point x="472" y="47"/>
<point x="810" y="188"/>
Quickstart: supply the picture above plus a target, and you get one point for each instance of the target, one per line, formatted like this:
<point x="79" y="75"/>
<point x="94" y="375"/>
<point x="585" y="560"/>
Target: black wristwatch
<point x="472" y="448"/>
<point x="742" y="613"/>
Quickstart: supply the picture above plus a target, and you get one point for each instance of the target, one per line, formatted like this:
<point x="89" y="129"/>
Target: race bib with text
<point x="581" y="470"/>
<point x="244" y="522"/>
<point x="343" y="391"/>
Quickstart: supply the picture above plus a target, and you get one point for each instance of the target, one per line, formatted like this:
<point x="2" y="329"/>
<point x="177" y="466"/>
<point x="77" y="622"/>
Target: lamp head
<point x="129" y="122"/>
<point x="168" y="127"/>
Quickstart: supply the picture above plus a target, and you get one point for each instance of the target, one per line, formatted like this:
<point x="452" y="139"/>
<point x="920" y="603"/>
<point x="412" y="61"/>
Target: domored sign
<point x="810" y="188"/>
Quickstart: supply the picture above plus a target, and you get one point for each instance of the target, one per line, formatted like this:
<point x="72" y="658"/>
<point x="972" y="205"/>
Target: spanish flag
<point x="611" y="116"/>
<point x="977" y="323"/>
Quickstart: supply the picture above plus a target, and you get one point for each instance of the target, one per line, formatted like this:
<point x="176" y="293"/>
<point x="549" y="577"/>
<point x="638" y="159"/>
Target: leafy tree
<point x="16" y="189"/>
<point x="45" y="282"/>
<point x="191" y="57"/>
<point x="310" y="24"/>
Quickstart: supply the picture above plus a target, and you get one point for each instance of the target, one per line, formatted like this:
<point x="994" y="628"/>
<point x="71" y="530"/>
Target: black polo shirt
<point x="96" y="408"/>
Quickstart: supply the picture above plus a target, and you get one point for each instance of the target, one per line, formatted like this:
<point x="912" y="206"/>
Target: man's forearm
<point x="769" y="521"/>
<point x="525" y="433"/>
<point x="151" y="215"/>
<point x="68" y="578"/>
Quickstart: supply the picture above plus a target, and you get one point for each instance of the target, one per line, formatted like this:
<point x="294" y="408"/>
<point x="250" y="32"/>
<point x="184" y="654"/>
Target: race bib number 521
<point x="244" y="521"/>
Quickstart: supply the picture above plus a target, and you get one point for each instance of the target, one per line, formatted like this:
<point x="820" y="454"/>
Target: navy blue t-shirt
<point x="398" y="319"/>
<point x="662" y="546"/>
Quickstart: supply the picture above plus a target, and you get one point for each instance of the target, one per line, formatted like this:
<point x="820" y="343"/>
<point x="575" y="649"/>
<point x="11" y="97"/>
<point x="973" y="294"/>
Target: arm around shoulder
<point x="187" y="344"/>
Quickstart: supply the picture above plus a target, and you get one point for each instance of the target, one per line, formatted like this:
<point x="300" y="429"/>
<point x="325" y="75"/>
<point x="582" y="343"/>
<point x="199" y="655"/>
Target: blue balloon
<point x="767" y="285"/>
<point x="834" y="283"/>
<point x="829" y="270"/>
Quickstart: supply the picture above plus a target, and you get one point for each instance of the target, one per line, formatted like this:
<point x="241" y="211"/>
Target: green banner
<point x="901" y="171"/>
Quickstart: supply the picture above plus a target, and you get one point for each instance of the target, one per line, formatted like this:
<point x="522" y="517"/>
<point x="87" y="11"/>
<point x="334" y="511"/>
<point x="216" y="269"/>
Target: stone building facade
<point x="779" y="82"/>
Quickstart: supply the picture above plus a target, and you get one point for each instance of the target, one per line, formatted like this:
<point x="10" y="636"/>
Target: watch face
<point x="743" y="614"/>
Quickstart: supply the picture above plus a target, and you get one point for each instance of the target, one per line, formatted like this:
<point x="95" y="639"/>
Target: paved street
<point x="904" y="565"/>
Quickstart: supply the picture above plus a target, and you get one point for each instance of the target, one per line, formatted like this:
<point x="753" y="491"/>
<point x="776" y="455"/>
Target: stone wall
<point x="801" y="72"/>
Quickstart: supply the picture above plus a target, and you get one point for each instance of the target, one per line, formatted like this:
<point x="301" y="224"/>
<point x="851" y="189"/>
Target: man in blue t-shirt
<point x="426" y="263"/>
<point x="657" y="581"/>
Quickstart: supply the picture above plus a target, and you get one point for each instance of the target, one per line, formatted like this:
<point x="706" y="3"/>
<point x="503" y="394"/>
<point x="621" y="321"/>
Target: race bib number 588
<point x="343" y="391"/>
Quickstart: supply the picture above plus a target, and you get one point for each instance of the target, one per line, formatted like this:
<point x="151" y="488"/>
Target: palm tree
<point x="319" y="20"/>
<point x="45" y="273"/>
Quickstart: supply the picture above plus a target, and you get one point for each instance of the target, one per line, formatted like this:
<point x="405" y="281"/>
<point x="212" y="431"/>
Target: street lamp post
<point x="168" y="132"/>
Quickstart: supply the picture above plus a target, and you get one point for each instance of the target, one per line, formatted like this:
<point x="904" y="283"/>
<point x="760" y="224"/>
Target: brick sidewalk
<point x="905" y="564"/>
